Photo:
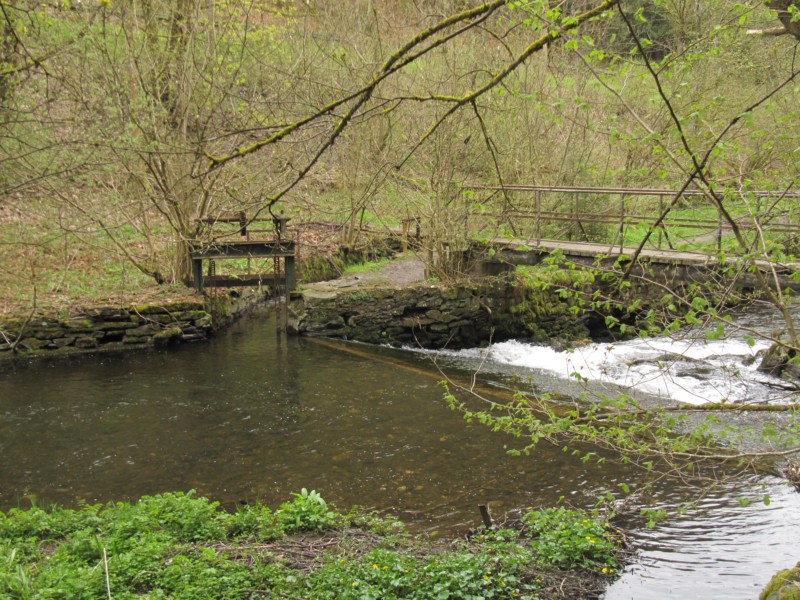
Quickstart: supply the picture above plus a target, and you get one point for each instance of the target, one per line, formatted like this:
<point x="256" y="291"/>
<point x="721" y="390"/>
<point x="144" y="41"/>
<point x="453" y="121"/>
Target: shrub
<point x="254" y="521"/>
<point x="567" y="538"/>
<point x="307" y="512"/>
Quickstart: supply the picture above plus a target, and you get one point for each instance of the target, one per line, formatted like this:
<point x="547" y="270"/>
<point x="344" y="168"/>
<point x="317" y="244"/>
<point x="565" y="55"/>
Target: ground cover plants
<point x="181" y="545"/>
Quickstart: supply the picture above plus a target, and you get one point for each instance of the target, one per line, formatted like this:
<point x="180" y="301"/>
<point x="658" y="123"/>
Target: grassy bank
<point x="185" y="546"/>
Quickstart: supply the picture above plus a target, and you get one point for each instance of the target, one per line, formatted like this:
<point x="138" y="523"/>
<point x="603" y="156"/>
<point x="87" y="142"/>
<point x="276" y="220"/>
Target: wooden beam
<point x="252" y="280"/>
<point x="243" y="249"/>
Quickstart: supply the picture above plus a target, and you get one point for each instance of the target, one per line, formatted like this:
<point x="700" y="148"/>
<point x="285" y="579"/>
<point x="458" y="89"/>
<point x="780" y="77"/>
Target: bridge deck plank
<point x="594" y="250"/>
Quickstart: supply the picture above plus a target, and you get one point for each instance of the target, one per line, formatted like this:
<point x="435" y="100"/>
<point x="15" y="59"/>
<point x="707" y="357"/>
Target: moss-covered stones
<point x="785" y="585"/>
<point x="105" y="327"/>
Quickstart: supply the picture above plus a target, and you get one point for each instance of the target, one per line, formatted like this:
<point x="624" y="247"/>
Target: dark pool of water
<point x="253" y="415"/>
<point x="250" y="415"/>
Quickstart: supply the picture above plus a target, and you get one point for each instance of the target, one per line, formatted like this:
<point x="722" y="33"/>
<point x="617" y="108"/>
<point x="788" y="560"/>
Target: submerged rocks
<point x="778" y="361"/>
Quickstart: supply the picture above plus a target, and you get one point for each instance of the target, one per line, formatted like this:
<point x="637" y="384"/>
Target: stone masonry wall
<point x="425" y="315"/>
<point x="105" y="328"/>
<point x="438" y="316"/>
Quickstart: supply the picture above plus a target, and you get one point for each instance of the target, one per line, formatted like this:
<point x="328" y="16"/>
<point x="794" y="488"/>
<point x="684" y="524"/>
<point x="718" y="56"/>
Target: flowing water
<point x="253" y="415"/>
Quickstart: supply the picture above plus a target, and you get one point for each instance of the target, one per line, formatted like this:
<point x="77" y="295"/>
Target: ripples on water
<point x="249" y="416"/>
<point x="718" y="550"/>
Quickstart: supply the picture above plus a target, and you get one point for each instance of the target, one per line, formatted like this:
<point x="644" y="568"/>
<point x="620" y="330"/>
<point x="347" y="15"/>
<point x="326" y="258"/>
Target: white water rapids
<point x="684" y="367"/>
<point x="682" y="370"/>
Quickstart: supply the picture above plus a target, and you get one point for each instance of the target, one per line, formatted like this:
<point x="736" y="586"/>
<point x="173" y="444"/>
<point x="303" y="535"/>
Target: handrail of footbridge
<point x="618" y="213"/>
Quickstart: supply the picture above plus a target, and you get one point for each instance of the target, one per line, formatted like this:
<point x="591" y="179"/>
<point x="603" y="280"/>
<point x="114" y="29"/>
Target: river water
<point x="254" y="415"/>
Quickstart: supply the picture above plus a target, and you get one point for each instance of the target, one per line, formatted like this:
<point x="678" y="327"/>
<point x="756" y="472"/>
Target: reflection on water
<point x="250" y="415"/>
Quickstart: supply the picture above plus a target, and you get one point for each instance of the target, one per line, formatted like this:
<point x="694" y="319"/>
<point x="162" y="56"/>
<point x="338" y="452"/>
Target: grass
<point x="180" y="545"/>
<point x="366" y="267"/>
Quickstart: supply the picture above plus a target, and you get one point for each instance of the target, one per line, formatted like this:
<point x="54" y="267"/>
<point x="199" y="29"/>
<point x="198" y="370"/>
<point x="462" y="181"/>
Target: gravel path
<point x="398" y="273"/>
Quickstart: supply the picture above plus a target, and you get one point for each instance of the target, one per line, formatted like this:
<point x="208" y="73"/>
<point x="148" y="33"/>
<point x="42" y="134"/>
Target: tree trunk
<point x="183" y="262"/>
<point x="786" y="9"/>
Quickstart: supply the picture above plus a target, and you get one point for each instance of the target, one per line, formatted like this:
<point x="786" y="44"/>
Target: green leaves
<point x="144" y="559"/>
<point x="653" y="516"/>
<point x="307" y="512"/>
<point x="567" y="538"/>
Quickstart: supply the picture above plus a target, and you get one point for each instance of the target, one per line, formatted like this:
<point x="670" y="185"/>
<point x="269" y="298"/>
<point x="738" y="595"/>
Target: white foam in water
<point x="688" y="371"/>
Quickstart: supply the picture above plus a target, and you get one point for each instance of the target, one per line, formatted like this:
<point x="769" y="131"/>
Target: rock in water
<point x="785" y="585"/>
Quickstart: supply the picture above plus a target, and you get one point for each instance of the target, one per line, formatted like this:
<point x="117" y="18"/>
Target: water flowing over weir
<point x="682" y="370"/>
<point x="250" y="415"/>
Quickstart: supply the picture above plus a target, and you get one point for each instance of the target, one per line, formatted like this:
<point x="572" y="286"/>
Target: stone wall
<point x="104" y="328"/>
<point x="433" y="316"/>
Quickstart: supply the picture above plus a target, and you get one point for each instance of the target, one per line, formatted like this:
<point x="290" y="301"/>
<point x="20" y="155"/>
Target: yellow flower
<point x="385" y="567"/>
<point x="375" y="567"/>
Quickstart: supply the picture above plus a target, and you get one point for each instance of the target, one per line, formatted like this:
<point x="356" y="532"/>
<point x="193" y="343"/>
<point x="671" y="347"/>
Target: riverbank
<point x="182" y="545"/>
<point x="145" y="315"/>
<point x="115" y="328"/>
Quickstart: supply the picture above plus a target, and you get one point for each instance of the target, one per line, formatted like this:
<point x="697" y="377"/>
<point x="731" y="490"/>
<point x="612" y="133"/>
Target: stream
<point x="251" y="414"/>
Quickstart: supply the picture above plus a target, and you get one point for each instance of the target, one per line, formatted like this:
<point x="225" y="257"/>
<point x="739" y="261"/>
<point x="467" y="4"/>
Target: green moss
<point x="169" y="308"/>
<point x="32" y="343"/>
<point x="191" y="315"/>
<point x="168" y="336"/>
<point x="357" y="297"/>
<point x="79" y="324"/>
<point x="785" y="585"/>
<point x="319" y="268"/>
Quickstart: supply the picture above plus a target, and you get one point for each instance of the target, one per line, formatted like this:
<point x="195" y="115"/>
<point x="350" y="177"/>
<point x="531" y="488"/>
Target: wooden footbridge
<point x="230" y="236"/>
<point x="604" y="226"/>
<point x="523" y="225"/>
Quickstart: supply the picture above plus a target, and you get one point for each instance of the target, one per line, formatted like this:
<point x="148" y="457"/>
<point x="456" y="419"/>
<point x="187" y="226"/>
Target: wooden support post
<point x="291" y="275"/>
<point x="276" y="268"/>
<point x="487" y="518"/>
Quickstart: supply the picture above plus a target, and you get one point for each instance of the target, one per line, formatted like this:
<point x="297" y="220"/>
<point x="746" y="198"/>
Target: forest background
<point x="123" y="123"/>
